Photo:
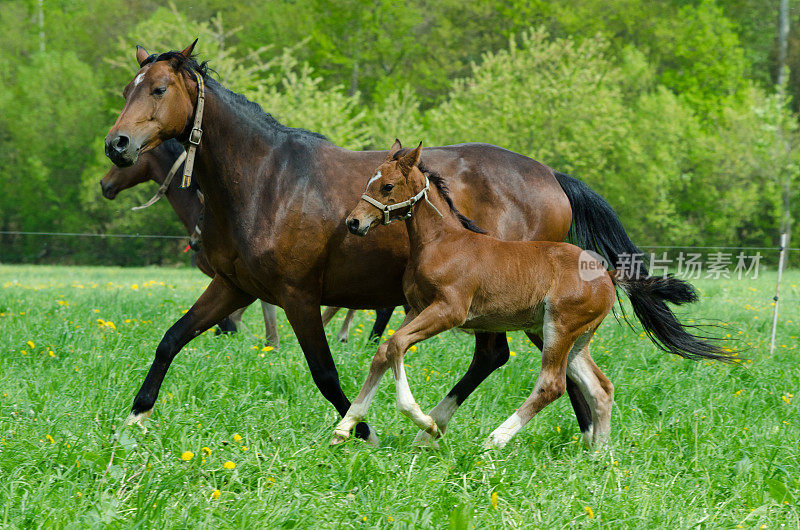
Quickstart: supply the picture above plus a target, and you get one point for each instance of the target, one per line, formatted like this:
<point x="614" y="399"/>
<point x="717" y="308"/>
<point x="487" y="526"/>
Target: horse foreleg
<point x="270" y="313"/>
<point x="306" y="321"/>
<point x="491" y="352"/>
<point x="219" y="300"/>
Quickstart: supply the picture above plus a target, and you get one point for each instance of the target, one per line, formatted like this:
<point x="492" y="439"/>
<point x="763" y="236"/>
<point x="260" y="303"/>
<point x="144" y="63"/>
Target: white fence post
<point x="777" y="292"/>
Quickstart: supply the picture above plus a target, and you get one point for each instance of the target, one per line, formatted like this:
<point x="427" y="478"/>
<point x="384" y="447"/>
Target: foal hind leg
<point x="582" y="411"/>
<point x="491" y="352"/>
<point x="598" y="390"/>
<point x="550" y="385"/>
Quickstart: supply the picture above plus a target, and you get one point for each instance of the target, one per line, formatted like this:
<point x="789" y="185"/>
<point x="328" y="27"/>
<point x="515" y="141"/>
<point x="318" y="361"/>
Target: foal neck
<point x="430" y="219"/>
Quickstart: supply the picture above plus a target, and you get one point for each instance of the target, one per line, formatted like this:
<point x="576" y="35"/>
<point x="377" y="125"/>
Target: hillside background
<point x="669" y="109"/>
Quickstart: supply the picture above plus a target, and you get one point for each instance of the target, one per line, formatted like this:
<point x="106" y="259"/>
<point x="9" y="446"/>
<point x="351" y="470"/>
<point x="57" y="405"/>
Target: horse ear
<point x="141" y="55"/>
<point x="396" y="146"/>
<point x="411" y="159"/>
<point x="187" y="52"/>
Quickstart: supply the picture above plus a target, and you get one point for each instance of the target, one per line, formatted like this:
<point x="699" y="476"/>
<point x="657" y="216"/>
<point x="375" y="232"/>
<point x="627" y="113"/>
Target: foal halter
<point x="196" y="133"/>
<point x="163" y="189"/>
<point x="387" y="209"/>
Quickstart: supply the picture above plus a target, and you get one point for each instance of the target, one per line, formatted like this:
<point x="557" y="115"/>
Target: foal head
<point x="397" y="180"/>
<point x="159" y="104"/>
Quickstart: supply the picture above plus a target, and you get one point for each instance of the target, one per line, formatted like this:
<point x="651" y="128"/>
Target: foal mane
<point x="444" y="190"/>
<point x="247" y="108"/>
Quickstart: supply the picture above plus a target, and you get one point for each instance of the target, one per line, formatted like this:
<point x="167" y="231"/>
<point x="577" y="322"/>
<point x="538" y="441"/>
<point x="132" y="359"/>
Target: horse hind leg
<point x="550" y="385"/>
<point x="582" y="411"/>
<point x="597" y="389"/>
<point x="270" y="313"/>
<point x="344" y="331"/>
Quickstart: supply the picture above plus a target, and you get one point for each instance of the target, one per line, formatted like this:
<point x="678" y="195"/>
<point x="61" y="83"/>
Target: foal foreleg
<point x="491" y="352"/>
<point x="433" y="320"/>
<point x="270" y="313"/>
<point x="358" y="410"/>
<point x="219" y="300"/>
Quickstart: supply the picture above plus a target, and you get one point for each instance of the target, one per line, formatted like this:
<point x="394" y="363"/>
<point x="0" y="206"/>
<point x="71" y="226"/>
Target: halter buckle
<point x="195" y="135"/>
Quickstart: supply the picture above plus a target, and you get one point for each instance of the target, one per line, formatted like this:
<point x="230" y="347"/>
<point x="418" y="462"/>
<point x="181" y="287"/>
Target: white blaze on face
<point x="373" y="179"/>
<point x="138" y="79"/>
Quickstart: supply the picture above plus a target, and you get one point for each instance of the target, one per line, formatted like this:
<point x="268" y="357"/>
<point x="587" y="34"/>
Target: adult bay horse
<point x="458" y="276"/>
<point x="276" y="198"/>
<point x="160" y="165"/>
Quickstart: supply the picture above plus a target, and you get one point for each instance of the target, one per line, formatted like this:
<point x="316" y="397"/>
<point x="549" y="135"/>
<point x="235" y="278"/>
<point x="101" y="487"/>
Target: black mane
<point x="437" y="180"/>
<point x="246" y="108"/>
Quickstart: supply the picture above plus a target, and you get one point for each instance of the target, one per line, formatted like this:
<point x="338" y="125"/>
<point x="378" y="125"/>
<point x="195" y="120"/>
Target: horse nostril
<point x="352" y="225"/>
<point x="120" y="143"/>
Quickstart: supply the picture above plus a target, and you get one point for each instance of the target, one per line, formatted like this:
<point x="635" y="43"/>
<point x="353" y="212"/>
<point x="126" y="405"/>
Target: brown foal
<point x="457" y="275"/>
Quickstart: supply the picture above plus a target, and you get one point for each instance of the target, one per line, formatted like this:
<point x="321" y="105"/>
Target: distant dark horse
<point x="163" y="164"/>
<point x="276" y="199"/>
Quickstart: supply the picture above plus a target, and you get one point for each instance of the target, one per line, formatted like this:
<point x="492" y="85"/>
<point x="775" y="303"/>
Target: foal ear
<point x="141" y="55"/>
<point x="396" y="146"/>
<point x="187" y="52"/>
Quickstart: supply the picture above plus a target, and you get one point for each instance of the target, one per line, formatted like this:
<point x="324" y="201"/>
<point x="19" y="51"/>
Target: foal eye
<point x="386" y="188"/>
<point x="159" y="91"/>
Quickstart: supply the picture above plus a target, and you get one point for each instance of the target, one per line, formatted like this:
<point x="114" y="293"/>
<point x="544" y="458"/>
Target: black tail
<point x="596" y="227"/>
<point x="647" y="295"/>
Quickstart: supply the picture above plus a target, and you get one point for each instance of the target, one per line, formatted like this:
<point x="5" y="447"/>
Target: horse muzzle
<point x="120" y="149"/>
<point x="109" y="190"/>
<point x="355" y="227"/>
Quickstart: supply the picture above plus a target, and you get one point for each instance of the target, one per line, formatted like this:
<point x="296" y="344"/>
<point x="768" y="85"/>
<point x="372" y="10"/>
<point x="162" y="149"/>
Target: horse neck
<point x="229" y="164"/>
<point x="425" y="226"/>
<point x="185" y="202"/>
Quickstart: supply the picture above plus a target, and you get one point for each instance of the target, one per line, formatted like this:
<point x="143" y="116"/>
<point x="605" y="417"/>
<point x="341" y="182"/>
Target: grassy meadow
<point x="240" y="434"/>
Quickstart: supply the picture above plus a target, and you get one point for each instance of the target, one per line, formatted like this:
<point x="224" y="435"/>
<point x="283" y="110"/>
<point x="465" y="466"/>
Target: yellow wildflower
<point x="30" y="344"/>
<point x="207" y="450"/>
<point x="512" y="353"/>
<point x="494" y="500"/>
<point x="237" y="438"/>
<point x="267" y="348"/>
<point x="135" y="286"/>
<point x="51" y="353"/>
<point x="229" y="465"/>
<point x="215" y="494"/>
<point x="589" y="511"/>
<point x="187" y="455"/>
<point x="50" y="439"/>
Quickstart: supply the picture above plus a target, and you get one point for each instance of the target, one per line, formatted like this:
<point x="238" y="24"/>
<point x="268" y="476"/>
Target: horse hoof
<point x="138" y="419"/>
<point x="372" y="439"/>
<point x="343" y="340"/>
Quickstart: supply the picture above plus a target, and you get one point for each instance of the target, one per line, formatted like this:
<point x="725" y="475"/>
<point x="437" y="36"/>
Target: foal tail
<point x="648" y="295"/>
<point x="596" y="227"/>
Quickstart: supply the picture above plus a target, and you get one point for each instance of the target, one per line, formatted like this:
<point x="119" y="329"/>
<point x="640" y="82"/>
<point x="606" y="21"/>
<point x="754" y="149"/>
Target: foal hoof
<point x="339" y="438"/>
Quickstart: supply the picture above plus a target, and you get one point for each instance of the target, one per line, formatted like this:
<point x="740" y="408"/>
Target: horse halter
<point x="387" y="209"/>
<point x="196" y="133"/>
<point x="163" y="189"/>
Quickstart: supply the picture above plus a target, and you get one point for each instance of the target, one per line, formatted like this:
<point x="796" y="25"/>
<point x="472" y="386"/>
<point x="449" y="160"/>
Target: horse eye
<point x="387" y="188"/>
<point x="159" y="91"/>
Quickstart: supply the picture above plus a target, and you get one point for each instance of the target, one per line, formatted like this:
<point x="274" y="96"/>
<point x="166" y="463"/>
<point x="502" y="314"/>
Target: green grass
<point x="693" y="444"/>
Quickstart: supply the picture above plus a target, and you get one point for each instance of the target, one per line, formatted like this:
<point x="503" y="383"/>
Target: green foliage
<point x="664" y="107"/>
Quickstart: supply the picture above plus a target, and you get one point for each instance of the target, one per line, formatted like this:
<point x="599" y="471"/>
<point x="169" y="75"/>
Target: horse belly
<point x="528" y="319"/>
